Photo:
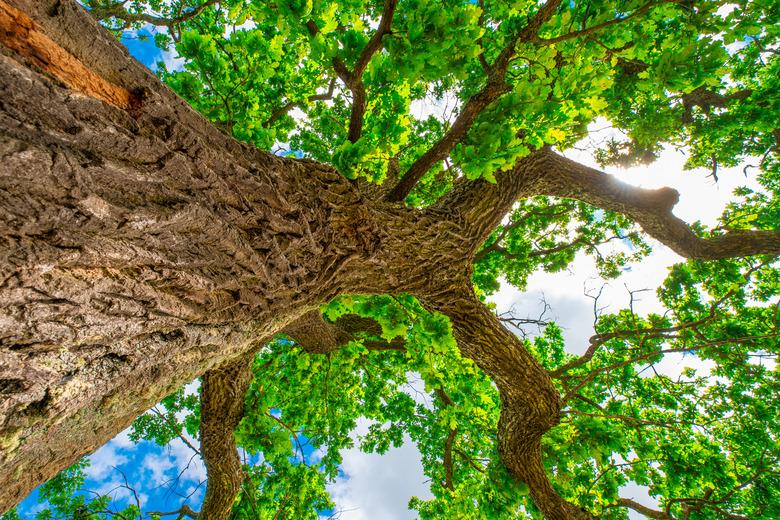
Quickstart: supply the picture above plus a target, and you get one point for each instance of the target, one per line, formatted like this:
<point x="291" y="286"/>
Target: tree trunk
<point x="530" y="404"/>
<point x="141" y="247"/>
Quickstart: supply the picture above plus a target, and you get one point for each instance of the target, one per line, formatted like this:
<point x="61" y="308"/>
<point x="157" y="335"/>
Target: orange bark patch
<point x="22" y="35"/>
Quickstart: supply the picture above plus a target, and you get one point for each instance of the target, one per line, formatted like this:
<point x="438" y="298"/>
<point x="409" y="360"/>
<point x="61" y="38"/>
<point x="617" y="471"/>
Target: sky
<point x="378" y="487"/>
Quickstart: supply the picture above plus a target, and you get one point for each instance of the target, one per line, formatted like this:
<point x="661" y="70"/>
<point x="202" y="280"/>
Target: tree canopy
<point x="435" y="105"/>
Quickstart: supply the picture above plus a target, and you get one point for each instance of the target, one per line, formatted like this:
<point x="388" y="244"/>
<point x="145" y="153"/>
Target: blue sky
<point x="150" y="469"/>
<point x="141" y="46"/>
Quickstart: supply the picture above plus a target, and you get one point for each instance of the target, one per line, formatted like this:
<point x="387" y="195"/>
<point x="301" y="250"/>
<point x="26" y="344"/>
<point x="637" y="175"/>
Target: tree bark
<point x="222" y="407"/>
<point x="530" y="404"/>
<point x="317" y="336"/>
<point x="651" y="209"/>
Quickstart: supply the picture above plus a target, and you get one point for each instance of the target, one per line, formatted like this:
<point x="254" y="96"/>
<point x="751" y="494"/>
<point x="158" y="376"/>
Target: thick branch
<point x="448" y="467"/>
<point x="473" y="107"/>
<point x="353" y="79"/>
<point x="481" y="205"/>
<point x="118" y="11"/>
<point x="284" y="109"/>
<point x="355" y="82"/>
<point x="317" y="336"/>
<point x="598" y="27"/>
<point x="222" y="407"/>
<point x="530" y="403"/>
<point x="707" y="99"/>
<point x="639" y="508"/>
<point x="375" y="43"/>
<point x="651" y="209"/>
<point x="544" y="172"/>
<point x="141" y="247"/>
<point x="184" y="511"/>
<point x="579" y="241"/>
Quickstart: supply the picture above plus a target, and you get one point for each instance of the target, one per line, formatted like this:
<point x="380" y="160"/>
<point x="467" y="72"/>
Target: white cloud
<point x="104" y="460"/>
<point x="177" y="460"/>
<point x="378" y="487"/>
<point x="157" y="467"/>
<point x="173" y="62"/>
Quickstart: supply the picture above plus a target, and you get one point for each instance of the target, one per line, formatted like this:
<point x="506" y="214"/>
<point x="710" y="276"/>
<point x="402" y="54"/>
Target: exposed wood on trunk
<point x="19" y="33"/>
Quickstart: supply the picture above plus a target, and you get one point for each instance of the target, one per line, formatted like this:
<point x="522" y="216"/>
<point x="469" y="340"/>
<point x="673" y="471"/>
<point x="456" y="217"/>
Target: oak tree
<point x="149" y="238"/>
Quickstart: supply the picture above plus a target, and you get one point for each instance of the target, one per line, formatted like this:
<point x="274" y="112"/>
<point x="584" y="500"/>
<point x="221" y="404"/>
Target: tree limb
<point x="315" y="335"/>
<point x="183" y="511"/>
<point x="572" y="392"/>
<point x="473" y="107"/>
<point x="589" y="30"/>
<point x="598" y="340"/>
<point x="639" y="508"/>
<point x="176" y="429"/>
<point x="222" y="407"/>
<point x="651" y="209"/>
<point x="482" y="205"/>
<point x="530" y="403"/>
<point x="375" y="43"/>
<point x="284" y="109"/>
<point x="118" y="11"/>
<point x="353" y="79"/>
<point x="448" y="468"/>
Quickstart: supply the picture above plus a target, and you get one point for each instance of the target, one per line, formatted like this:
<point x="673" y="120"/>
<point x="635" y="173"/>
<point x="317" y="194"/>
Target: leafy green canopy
<point x="699" y="75"/>
<point x="702" y="75"/>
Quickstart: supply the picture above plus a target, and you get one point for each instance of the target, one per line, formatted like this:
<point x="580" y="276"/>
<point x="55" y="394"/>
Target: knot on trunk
<point x="357" y="230"/>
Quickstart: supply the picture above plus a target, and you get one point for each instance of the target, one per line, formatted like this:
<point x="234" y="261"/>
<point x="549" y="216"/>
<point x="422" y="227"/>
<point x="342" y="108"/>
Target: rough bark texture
<point x="651" y="209"/>
<point x="547" y="173"/>
<point x="317" y="336"/>
<point x="221" y="409"/>
<point x="140" y="248"/>
<point x="530" y="404"/>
